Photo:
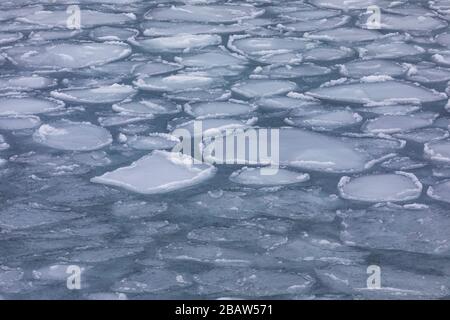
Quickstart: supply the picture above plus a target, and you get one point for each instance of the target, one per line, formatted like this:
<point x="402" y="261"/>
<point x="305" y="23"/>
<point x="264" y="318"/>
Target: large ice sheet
<point x="158" y="172"/>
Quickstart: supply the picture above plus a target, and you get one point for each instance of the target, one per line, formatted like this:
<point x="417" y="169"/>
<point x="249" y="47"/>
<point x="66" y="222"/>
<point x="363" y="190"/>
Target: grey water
<point x="94" y="205"/>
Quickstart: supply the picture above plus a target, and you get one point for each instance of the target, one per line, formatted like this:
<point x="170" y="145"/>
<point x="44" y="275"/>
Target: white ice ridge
<point x="159" y="172"/>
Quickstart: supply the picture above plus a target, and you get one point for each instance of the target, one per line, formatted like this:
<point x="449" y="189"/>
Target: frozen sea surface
<point x="89" y="114"/>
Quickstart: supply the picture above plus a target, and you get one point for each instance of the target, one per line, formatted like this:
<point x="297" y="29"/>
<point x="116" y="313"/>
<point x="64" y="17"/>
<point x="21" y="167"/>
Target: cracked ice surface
<point x="88" y="119"/>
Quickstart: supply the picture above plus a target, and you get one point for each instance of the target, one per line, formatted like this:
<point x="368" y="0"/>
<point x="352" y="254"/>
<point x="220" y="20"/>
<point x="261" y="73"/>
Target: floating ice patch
<point x="205" y="254"/>
<point x="99" y="95"/>
<point x="112" y="34"/>
<point x="424" y="135"/>
<point x="391" y="227"/>
<point x="20" y="216"/>
<point x="400" y="123"/>
<point x="6" y="38"/>
<point x="177" y="82"/>
<point x="76" y="136"/>
<point x="274" y="104"/>
<point x="147" y="107"/>
<point x="349" y="5"/>
<point x="154" y="68"/>
<point x="307" y="15"/>
<point x="264" y="46"/>
<point x="409" y="23"/>
<point x="52" y="35"/>
<point x="389" y="50"/>
<point x="212" y="59"/>
<point x="325" y="120"/>
<point x="28" y="105"/>
<point x="317" y="251"/>
<point x="263" y="88"/>
<point x="438" y="151"/>
<point x="204" y="14"/>
<point x="391" y="110"/>
<point x="152" y="281"/>
<point x="210" y="127"/>
<point x="317" y="25"/>
<point x="378" y="93"/>
<point x="440" y="191"/>
<point x="400" y="186"/>
<point x="218" y="109"/>
<point x="178" y="43"/>
<point x="364" y="68"/>
<point x="25" y="83"/>
<point x="19" y="122"/>
<point x="396" y="284"/>
<point x="253" y="177"/>
<point x="67" y="55"/>
<point x="328" y="54"/>
<point x="155" y="28"/>
<point x="158" y="172"/>
<point x="217" y="94"/>
<point x="314" y="151"/>
<point x="429" y="75"/>
<point x="253" y="283"/>
<point x="298" y="71"/>
<point x="347" y="35"/>
<point x="402" y="163"/>
<point x="58" y="19"/>
<point x="155" y="141"/>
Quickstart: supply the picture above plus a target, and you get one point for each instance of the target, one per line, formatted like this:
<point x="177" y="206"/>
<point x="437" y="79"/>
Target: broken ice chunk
<point x="178" y="82"/>
<point x="25" y="83"/>
<point x="158" y="172"/>
<point x="19" y="122"/>
<point x="438" y="151"/>
<point x="218" y="109"/>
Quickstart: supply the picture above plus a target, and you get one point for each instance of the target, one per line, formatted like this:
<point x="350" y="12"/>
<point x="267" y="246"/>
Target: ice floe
<point x="177" y="82"/>
<point x="20" y="105"/>
<point x="401" y="186"/>
<point x="218" y="109"/>
<point x="76" y="136"/>
<point x="378" y="93"/>
<point x="178" y="43"/>
<point x="205" y="14"/>
<point x="364" y="68"/>
<point x="100" y="95"/>
<point x="419" y="229"/>
<point x="263" y="88"/>
<point x="440" y="191"/>
<point x="67" y="55"/>
<point x="25" y="83"/>
<point x="396" y="284"/>
<point x="438" y="150"/>
<point x="254" y="177"/>
<point x="18" y="122"/>
<point x="141" y="177"/>
<point x="400" y="123"/>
